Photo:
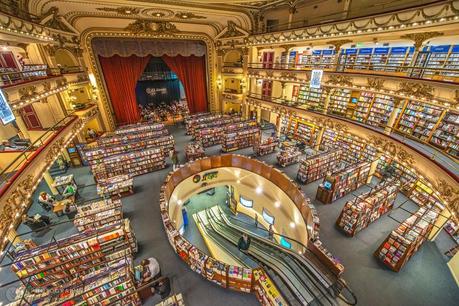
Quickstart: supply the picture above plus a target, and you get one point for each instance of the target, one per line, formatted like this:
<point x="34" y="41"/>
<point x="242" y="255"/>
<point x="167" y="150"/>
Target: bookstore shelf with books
<point x="139" y="128"/>
<point x="363" y="107"/>
<point x="310" y="98"/>
<point x="132" y="164"/>
<point x="97" y="214"/>
<point x="65" y="263"/>
<point x="317" y="166"/>
<point x="446" y="136"/>
<point x="403" y="242"/>
<point x="265" y="146"/>
<point x="389" y="167"/>
<point x="194" y="150"/>
<point x="380" y="110"/>
<point x="419" y="119"/>
<point x="265" y="290"/>
<point x="289" y="156"/>
<point x="211" y="136"/>
<point x="343" y="182"/>
<point x="305" y="133"/>
<point x="366" y="208"/>
<point x="217" y="125"/>
<point x="113" y="140"/>
<point x="119" y="185"/>
<point x="240" y="139"/>
<point x="339" y="101"/>
<point x="192" y="123"/>
<point x="190" y="119"/>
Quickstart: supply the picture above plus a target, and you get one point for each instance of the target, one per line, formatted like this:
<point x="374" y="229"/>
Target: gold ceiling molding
<point x="392" y="149"/>
<point x="448" y="193"/>
<point x="338" y="79"/>
<point x="231" y="31"/>
<point x="338" y="43"/>
<point x="288" y="75"/>
<point x="330" y="123"/>
<point x="375" y="83"/>
<point x="416" y="89"/>
<point x="122" y="10"/>
<point x="287" y="47"/>
<point x="420" y="38"/>
<point x="188" y="15"/>
<point x="141" y="26"/>
<point x="27" y="92"/>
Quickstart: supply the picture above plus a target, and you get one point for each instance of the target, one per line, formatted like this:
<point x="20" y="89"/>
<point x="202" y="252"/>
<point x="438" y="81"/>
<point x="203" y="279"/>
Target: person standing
<point x="270" y="232"/>
<point x="174" y="159"/>
<point x="256" y="220"/>
<point x="244" y="242"/>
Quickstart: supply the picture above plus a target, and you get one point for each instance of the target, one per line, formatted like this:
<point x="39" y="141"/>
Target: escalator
<point x="302" y="279"/>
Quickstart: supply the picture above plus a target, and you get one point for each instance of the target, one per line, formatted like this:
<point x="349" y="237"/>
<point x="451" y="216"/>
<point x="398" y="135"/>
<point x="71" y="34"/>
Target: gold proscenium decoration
<point x="142" y="26"/>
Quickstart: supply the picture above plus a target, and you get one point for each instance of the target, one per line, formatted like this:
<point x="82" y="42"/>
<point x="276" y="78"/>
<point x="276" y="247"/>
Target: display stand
<point x="194" y="150"/>
<point x="317" y="248"/>
<point x="120" y="185"/>
<point x="315" y="167"/>
<point x="266" y="292"/>
<point x="366" y="208"/>
<point x="403" y="242"/>
<point x="339" y="184"/>
<point x="175" y="300"/>
<point x="98" y="214"/>
<point x="289" y="156"/>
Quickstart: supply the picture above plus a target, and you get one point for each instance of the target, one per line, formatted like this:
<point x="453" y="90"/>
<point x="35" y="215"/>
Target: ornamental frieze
<point x="141" y="26"/>
<point x="420" y="38"/>
<point x="337" y="79"/>
<point x="448" y="193"/>
<point x="416" y="89"/>
<point x="392" y="149"/>
<point x="375" y="83"/>
<point x="121" y="10"/>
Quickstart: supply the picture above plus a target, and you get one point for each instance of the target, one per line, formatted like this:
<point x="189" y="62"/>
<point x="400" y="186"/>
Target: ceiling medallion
<point x="122" y="10"/>
<point x="187" y="15"/>
<point x="158" y="13"/>
<point x="150" y="27"/>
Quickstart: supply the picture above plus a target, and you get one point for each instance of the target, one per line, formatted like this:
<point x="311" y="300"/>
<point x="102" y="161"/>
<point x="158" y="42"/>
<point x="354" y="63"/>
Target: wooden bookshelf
<point x="98" y="214"/>
<point x="315" y="167"/>
<point x="235" y="140"/>
<point x="289" y="156"/>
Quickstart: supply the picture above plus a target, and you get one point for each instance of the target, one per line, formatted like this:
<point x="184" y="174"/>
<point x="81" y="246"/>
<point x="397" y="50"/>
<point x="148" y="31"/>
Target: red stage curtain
<point x="191" y="70"/>
<point x="121" y="76"/>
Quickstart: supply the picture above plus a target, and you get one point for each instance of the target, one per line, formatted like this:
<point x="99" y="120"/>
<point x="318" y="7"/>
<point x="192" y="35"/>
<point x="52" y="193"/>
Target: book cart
<point x="403" y="242"/>
<point x="119" y="186"/>
<point x="94" y="266"/>
<point x="315" y="167"/>
<point x="366" y="208"/>
<point x="340" y="183"/>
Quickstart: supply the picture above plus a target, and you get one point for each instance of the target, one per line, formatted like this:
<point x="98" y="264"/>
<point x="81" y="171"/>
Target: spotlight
<point x="277" y="204"/>
<point x="259" y="190"/>
<point x="292" y="224"/>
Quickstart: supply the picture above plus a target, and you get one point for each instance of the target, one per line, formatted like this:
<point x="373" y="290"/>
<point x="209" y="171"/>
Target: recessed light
<point x="277" y="204"/>
<point x="259" y="190"/>
<point x="292" y="224"/>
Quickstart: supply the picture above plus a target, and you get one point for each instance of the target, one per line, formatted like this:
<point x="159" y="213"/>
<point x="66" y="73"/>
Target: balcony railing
<point x="15" y="77"/>
<point x="416" y="72"/>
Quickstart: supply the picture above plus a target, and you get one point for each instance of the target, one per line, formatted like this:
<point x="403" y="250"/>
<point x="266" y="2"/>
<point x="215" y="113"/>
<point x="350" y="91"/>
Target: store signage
<point x="6" y="114"/>
<point x="154" y="91"/>
<point x="205" y="177"/>
<point x="316" y="78"/>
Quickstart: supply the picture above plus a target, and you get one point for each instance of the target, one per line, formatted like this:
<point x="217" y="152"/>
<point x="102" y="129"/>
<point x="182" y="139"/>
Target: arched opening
<point x="65" y="58"/>
<point x="233" y="59"/>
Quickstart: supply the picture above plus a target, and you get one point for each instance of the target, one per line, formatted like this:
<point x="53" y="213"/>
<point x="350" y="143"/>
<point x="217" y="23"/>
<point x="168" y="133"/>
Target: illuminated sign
<point x="155" y="91"/>
<point x="205" y="177"/>
<point x="6" y="114"/>
<point x="267" y="216"/>
<point x="316" y="78"/>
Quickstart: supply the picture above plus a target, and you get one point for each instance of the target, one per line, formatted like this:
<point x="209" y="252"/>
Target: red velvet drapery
<point x="121" y="76"/>
<point x="191" y="70"/>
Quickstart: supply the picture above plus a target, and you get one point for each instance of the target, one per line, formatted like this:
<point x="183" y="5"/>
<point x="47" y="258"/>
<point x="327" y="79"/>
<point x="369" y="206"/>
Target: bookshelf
<point x="217" y="124"/>
<point x="446" y="136"/>
<point x="288" y="156"/>
<point x="399" y="57"/>
<point x="366" y="208"/>
<point x="139" y="128"/>
<point x="113" y="139"/>
<point x="202" y="122"/>
<point x="419" y="120"/>
<point x="452" y="63"/>
<point x="340" y="183"/>
<point x="265" y="290"/>
<point x="363" y="106"/>
<point x="194" y="150"/>
<point x="132" y="164"/>
<point x="315" y="167"/>
<point x="339" y="101"/>
<point x="310" y="98"/>
<point x="119" y="185"/>
<point x="67" y="262"/>
<point x="380" y="110"/>
<point x="403" y="242"/>
<point x="265" y="147"/>
<point x="402" y="173"/>
<point x="191" y="118"/>
<point x="235" y="140"/>
<point x="98" y="214"/>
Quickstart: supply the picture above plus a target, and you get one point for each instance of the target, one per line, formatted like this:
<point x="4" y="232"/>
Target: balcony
<point x="447" y="162"/>
<point x="404" y="72"/>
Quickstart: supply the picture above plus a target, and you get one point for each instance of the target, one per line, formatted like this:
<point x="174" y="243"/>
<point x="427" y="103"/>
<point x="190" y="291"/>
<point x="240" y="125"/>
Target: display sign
<point x="268" y="217"/>
<point x="316" y="78"/>
<point x="381" y="50"/>
<point x="6" y="114"/>
<point x="245" y="202"/>
<point x="154" y="91"/>
<point x="365" y="50"/>
<point x="285" y="243"/>
<point x="205" y="177"/>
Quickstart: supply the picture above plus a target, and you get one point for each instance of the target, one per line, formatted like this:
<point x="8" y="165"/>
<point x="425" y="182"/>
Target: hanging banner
<point x="6" y="114"/>
<point x="316" y="78"/>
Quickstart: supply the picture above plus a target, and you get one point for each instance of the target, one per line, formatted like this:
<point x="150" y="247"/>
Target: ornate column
<point x="328" y="92"/>
<point x="392" y="117"/>
<point x="50" y="181"/>
<point x="24" y="132"/>
<point x="419" y="39"/>
<point x="337" y="44"/>
<point x="220" y="55"/>
<point x="291" y="12"/>
<point x="373" y="167"/>
<point x="258" y="109"/>
<point x="320" y="135"/>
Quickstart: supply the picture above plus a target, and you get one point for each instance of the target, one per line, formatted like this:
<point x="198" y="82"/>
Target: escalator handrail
<point x="284" y="264"/>
<point x="284" y="277"/>
<point x="320" y="288"/>
<point x="339" y="280"/>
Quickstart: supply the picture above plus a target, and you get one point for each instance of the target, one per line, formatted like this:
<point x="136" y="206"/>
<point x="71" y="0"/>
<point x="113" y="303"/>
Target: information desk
<point x="221" y="273"/>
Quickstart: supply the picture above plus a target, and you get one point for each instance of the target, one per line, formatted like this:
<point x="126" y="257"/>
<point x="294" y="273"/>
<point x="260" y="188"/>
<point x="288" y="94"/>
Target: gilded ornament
<point x="141" y="26"/>
<point x="338" y="43"/>
<point x="420" y="38"/>
<point x="337" y="79"/>
<point x="416" y="89"/>
<point x="188" y="15"/>
<point x="232" y="31"/>
<point x="122" y="10"/>
<point x="375" y="83"/>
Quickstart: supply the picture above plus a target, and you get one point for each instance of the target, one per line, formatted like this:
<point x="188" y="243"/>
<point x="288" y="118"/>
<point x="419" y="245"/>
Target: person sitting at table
<point x="69" y="210"/>
<point x="151" y="269"/>
<point x="70" y="190"/>
<point x="46" y="201"/>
